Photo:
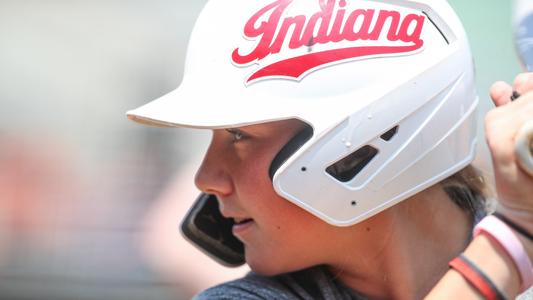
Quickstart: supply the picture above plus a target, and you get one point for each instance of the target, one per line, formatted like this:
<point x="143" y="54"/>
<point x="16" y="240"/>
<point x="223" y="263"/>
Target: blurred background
<point x="90" y="203"/>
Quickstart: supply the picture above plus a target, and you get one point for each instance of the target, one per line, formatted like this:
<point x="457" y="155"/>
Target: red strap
<point x="476" y="278"/>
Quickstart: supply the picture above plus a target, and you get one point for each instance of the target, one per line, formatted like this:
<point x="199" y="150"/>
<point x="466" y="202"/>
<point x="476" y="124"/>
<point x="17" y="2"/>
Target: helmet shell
<point x="353" y="70"/>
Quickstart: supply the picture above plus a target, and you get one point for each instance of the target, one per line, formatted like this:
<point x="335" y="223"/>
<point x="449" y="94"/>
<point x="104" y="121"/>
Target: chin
<point x="267" y="266"/>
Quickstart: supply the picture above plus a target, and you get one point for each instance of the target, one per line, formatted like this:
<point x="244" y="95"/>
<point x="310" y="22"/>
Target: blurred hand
<point x="514" y="186"/>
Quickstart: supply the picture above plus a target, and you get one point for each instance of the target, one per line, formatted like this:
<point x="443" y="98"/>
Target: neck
<point x="405" y="249"/>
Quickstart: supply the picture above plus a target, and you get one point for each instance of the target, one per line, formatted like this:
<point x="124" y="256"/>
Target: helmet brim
<point x="201" y="107"/>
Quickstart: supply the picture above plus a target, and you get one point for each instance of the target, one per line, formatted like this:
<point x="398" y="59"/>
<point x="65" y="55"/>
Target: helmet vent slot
<point x="347" y="168"/>
<point x="387" y="136"/>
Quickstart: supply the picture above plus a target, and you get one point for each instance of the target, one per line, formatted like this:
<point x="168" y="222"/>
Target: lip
<point x="239" y="229"/>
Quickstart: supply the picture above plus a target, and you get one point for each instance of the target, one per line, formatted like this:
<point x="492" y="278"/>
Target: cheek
<point x="254" y="180"/>
<point x="287" y="241"/>
<point x="293" y="226"/>
<point x="274" y="212"/>
<point x="284" y="225"/>
<point x="284" y="228"/>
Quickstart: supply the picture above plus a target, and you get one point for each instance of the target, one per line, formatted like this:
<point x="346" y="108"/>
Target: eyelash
<point x="237" y="135"/>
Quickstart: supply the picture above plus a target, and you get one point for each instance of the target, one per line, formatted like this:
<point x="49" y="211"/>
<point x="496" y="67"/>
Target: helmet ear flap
<point x="289" y="149"/>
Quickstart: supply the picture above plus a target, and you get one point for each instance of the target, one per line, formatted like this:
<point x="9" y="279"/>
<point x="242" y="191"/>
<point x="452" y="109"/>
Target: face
<point x="278" y="236"/>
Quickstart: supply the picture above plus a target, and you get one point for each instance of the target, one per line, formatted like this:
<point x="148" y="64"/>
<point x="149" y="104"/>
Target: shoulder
<point x="251" y="287"/>
<point x="313" y="283"/>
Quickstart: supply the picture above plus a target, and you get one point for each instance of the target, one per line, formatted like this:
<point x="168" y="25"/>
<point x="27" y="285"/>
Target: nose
<point x="212" y="176"/>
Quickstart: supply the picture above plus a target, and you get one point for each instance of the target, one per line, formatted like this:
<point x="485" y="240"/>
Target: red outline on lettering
<point x="295" y="67"/>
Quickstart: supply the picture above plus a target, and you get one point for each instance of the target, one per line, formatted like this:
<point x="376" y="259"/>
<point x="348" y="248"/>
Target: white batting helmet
<point x="387" y="87"/>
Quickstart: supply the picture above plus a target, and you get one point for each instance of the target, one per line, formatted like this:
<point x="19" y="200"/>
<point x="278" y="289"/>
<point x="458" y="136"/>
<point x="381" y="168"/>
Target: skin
<point x="514" y="188"/>
<point x="383" y="257"/>
<point x="284" y="238"/>
<point x="236" y="171"/>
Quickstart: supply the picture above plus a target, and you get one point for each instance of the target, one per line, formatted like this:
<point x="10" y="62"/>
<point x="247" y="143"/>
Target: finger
<point x="501" y="92"/>
<point x="523" y="83"/>
<point x="524" y="147"/>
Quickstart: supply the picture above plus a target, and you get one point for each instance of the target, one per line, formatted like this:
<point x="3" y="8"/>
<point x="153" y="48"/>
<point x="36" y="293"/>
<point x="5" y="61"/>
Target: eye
<point x="236" y="134"/>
